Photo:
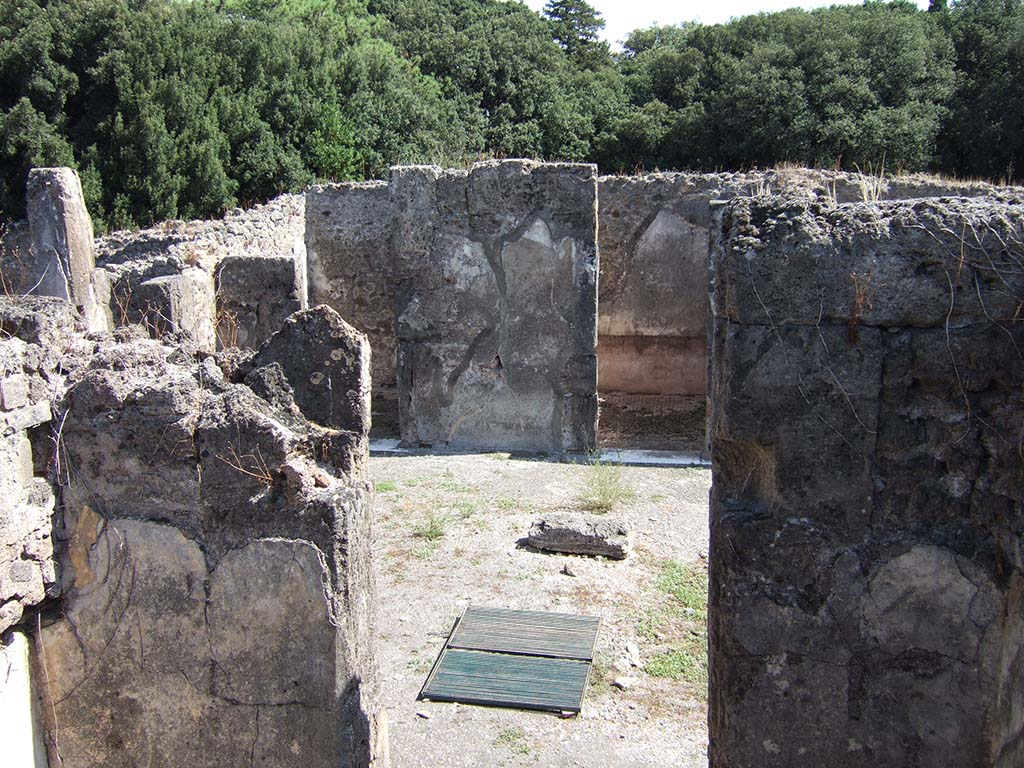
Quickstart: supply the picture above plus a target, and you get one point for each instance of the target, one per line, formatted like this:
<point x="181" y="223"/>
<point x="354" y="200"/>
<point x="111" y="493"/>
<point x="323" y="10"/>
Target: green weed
<point x="689" y="664"/>
<point x="385" y="486"/>
<point x="604" y="488"/>
<point x="434" y="527"/>
<point x="514" y="739"/>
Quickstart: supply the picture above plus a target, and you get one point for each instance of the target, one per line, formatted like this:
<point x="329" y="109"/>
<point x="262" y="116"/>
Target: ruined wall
<point x="496" y="305"/>
<point x="209" y="548"/>
<point x="868" y="501"/>
<point x="653" y="236"/>
<point x="215" y="539"/>
<point x="350" y="269"/>
<point x="36" y="334"/>
<point x="228" y="282"/>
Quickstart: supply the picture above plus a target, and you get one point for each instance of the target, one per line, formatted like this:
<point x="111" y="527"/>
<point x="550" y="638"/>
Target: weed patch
<point x="604" y="488"/>
<point x="514" y="740"/>
<point x="689" y="664"/>
<point x="434" y="527"/>
<point x="385" y="486"/>
<point x="676" y="616"/>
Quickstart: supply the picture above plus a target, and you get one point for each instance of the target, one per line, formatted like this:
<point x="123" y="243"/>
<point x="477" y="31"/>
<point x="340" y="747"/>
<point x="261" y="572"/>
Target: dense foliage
<point x="171" y="108"/>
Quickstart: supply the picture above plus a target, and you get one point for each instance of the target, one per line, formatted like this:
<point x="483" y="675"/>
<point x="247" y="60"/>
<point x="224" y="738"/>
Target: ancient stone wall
<point x="496" y="305"/>
<point x="229" y="282"/>
<point x="350" y="269"/>
<point x="208" y="555"/>
<point x="36" y="335"/>
<point x="216" y="584"/>
<point x="653" y="236"/>
<point x="867" y="398"/>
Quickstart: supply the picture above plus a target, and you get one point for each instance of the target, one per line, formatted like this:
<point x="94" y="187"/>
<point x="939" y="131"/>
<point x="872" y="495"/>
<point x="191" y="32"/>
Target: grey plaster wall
<point x="496" y="305"/>
<point x="867" y="399"/>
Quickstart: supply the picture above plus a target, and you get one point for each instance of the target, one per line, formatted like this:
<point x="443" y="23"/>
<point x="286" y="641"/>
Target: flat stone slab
<point x="581" y="534"/>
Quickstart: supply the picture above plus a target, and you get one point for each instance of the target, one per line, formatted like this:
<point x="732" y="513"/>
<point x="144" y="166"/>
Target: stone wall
<point x="867" y="398"/>
<point x="201" y="593"/>
<point x="496" y="306"/>
<point x="350" y="268"/>
<point x="653" y="236"/>
<point x="37" y="335"/>
<point x="228" y="282"/>
<point x="215" y="539"/>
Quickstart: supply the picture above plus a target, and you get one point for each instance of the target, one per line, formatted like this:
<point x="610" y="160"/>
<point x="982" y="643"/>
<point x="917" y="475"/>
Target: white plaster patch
<point x="20" y="731"/>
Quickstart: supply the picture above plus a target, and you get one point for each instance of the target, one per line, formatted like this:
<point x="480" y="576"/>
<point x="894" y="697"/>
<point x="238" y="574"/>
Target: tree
<point x="576" y="27"/>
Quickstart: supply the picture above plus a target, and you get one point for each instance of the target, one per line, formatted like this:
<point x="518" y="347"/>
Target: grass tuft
<point x="385" y="486"/>
<point x="434" y="527"/>
<point x="514" y="739"/>
<point x="604" y="488"/>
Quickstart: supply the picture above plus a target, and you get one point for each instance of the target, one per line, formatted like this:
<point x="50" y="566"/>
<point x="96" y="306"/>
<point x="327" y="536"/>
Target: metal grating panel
<point x="536" y="633"/>
<point x="508" y="680"/>
<point x="523" y="659"/>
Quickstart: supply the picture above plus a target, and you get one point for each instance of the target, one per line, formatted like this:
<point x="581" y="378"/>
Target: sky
<point x="623" y="16"/>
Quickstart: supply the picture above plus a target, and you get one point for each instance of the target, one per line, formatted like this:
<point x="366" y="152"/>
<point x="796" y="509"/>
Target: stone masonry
<point x="867" y="568"/>
<point x="653" y="237"/>
<point x="209" y="549"/>
<point x="496" y="306"/>
<point x="62" y="248"/>
<point x="350" y="266"/>
<point x="36" y="335"/>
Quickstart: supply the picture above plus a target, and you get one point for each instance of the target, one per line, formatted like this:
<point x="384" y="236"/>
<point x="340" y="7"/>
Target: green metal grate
<point x="522" y="659"/>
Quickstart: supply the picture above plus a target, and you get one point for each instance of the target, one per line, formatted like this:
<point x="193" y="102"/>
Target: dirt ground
<point x="446" y="532"/>
<point x="652" y="422"/>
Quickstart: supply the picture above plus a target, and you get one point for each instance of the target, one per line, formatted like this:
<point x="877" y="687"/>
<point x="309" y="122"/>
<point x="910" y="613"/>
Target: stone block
<point x="326" y="363"/>
<point x="31" y="415"/>
<point x="63" y="252"/>
<point x="255" y="295"/>
<point x="14" y="391"/>
<point x="175" y="303"/>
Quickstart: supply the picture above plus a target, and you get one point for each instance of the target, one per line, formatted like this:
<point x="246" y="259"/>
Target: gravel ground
<point x="446" y="532"/>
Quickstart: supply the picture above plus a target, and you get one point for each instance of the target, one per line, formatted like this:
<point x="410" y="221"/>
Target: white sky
<point x="623" y="16"/>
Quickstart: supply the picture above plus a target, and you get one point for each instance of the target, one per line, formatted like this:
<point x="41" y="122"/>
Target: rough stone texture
<point x="255" y="295"/>
<point x="275" y="229"/>
<point x="325" y="363"/>
<point x="162" y="278"/>
<point x="37" y="335"/>
<point x="176" y="303"/>
<point x="868" y="500"/>
<point x="15" y="258"/>
<point x="350" y="266"/>
<point x="20" y="725"/>
<point x="216" y="583"/>
<point x="496" y="306"/>
<point x="62" y="252"/>
<point x="653" y="236"/>
<point x="578" y="534"/>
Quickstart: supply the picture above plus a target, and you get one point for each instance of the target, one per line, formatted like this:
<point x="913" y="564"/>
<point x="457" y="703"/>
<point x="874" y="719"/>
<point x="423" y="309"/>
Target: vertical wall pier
<point x="867" y="392"/>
